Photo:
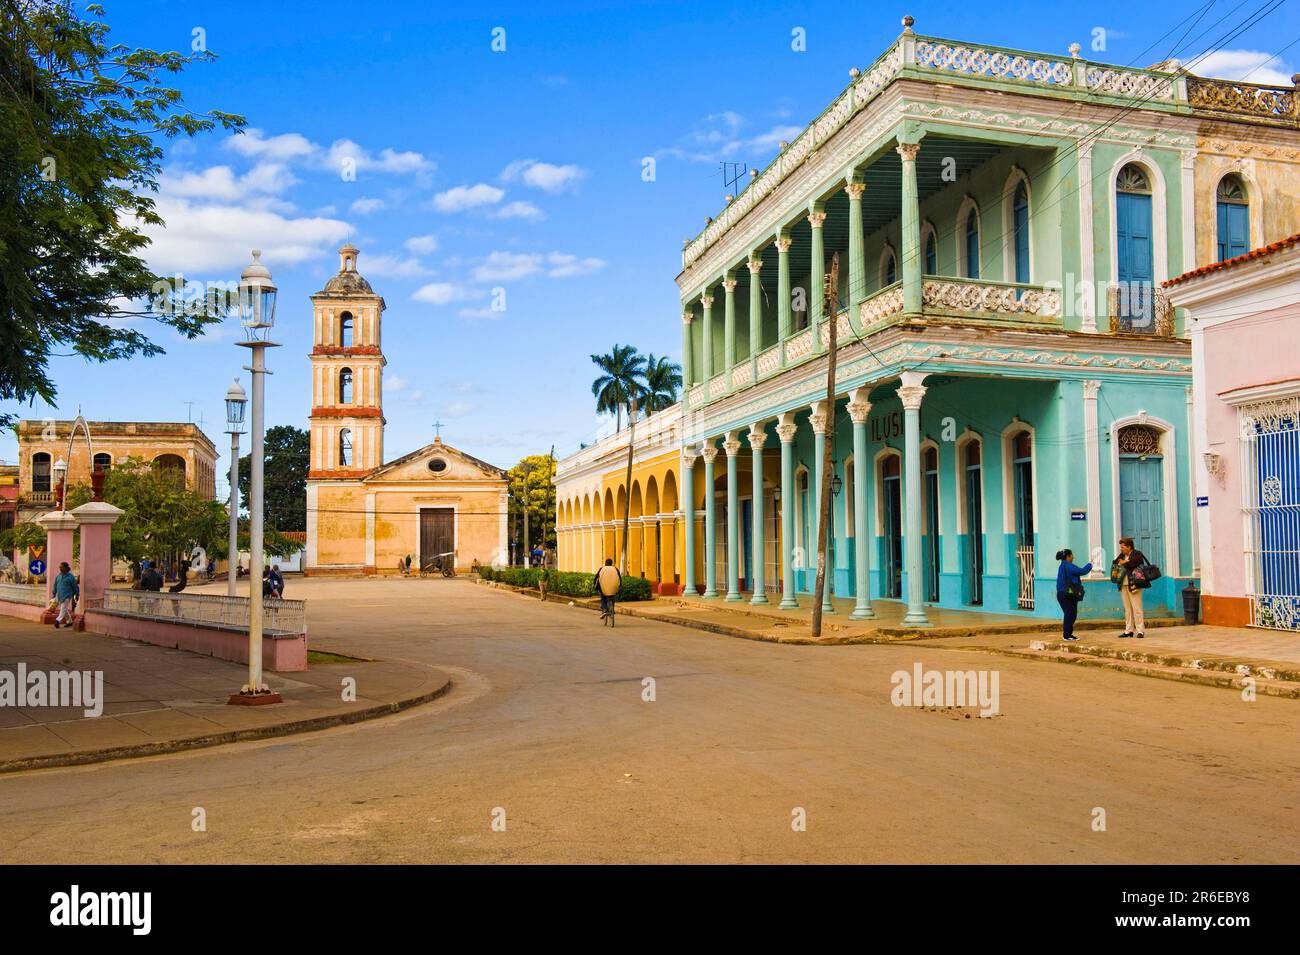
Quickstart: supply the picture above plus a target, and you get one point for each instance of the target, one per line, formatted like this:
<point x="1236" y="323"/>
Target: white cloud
<point x="458" y="409"/>
<point x="395" y="383"/>
<point x="391" y="266"/>
<point x="720" y="136"/>
<point x="563" y="265"/>
<point x="365" y="205"/>
<point x="341" y="151"/>
<point x="518" y="210"/>
<point x="220" y="182"/>
<point x="543" y="175"/>
<point x="422" y="244"/>
<point x="254" y="142"/>
<point x="507" y="266"/>
<point x="460" y="198"/>
<point x="1253" y="66"/>
<point x="206" y="238"/>
<point x="484" y="312"/>
<point x="443" y="293"/>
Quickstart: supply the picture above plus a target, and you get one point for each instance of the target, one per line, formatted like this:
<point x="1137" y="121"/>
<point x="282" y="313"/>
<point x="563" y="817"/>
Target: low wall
<point x="24" y="611"/>
<point x="280" y="652"/>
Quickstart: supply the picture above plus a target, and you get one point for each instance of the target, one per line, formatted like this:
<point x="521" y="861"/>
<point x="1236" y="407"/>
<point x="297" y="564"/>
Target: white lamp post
<point x="60" y="472"/>
<point x="236" y="403"/>
<point x="257" y="315"/>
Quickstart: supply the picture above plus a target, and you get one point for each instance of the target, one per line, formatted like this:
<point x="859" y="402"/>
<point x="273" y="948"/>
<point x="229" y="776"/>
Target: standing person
<point x="1129" y="560"/>
<point x="66" y="592"/>
<point x="408" y="565"/>
<point x="608" y="582"/>
<point x="1069" y="589"/>
<point x="266" y="582"/>
<point x="151" y="580"/>
<point x="277" y="582"/>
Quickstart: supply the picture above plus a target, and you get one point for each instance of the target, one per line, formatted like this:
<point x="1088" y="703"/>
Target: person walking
<point x="1069" y="589"/>
<point x="66" y="592"/>
<point x="608" y="582"/>
<point x="1130" y="591"/>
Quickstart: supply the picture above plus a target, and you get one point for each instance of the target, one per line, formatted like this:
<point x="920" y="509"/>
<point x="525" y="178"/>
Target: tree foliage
<point x="82" y="122"/>
<point x="286" y="460"/>
<point x="530" y="480"/>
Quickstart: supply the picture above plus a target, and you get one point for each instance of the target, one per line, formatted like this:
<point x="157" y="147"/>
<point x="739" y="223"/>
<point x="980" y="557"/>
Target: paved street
<point x="546" y="721"/>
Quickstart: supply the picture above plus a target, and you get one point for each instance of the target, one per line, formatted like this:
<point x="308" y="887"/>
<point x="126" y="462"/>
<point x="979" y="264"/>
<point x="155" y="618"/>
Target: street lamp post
<point x="257" y="315"/>
<point x="60" y="476"/>
<point x="236" y="403"/>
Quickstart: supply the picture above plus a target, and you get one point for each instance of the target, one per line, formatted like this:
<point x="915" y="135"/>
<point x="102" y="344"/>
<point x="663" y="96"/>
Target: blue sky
<point x="518" y="169"/>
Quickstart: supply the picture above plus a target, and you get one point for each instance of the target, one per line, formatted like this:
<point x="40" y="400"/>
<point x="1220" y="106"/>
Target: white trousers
<point x="1134" y="621"/>
<point x="65" y="611"/>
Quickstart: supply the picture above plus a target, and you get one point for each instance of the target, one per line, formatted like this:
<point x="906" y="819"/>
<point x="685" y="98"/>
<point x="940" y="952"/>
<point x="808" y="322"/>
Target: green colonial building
<point x="1011" y="379"/>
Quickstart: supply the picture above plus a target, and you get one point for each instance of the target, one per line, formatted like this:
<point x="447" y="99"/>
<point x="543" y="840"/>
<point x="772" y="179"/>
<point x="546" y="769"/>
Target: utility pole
<point x="831" y="295"/>
<point x="550" y="506"/>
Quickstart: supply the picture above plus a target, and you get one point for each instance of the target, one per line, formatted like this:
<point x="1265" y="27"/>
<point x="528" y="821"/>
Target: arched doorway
<point x="930" y="501"/>
<point x="1141" y="488"/>
<point x="970" y="472"/>
<point x="891" y="522"/>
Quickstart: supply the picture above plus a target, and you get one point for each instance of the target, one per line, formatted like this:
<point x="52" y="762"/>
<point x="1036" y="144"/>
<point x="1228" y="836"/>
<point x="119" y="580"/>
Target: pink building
<point x="1244" y="324"/>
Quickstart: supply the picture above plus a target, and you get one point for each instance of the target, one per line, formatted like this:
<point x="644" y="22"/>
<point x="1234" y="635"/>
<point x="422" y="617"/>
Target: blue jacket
<point x="65" y="587"/>
<point x="1069" y="573"/>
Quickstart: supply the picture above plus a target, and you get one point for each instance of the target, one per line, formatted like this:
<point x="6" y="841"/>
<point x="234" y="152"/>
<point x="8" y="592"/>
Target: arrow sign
<point x="36" y="567"/>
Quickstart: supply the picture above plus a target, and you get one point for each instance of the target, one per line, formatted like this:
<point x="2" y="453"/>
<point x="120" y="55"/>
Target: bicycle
<point x="607" y="616"/>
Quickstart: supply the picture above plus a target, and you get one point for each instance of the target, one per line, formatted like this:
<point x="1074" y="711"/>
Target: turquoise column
<point x="729" y="326"/>
<point x="912" y="264"/>
<point x="784" y="315"/>
<point x="707" y="301"/>
<point x="755" y="311"/>
<point x="859" y="410"/>
<point x="785" y="430"/>
<point x="857" y="249"/>
<point x="732" y="446"/>
<point x="910" y="392"/>
<point x="820" y="420"/>
<point x="688" y="364"/>
<point x="710" y="540"/>
<point x="757" y="438"/>
<point x="688" y="517"/>
<point x="816" y="292"/>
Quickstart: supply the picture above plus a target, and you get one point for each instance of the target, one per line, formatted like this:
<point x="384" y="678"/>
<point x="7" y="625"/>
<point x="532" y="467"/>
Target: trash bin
<point x="1191" y="604"/>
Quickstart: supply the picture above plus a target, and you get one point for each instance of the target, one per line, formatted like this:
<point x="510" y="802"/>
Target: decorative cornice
<point x="337" y="474"/>
<point x="347" y="411"/>
<point x="339" y="350"/>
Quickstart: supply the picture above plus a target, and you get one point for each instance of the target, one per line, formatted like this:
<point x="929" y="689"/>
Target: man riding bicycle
<point x="608" y="581"/>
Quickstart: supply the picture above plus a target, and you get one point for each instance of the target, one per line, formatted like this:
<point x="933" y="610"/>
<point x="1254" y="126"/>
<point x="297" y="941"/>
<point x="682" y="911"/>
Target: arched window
<point x="931" y="254"/>
<point x="345" y="448"/>
<point x="40" y="472"/>
<point x="345" y="386"/>
<point x="1020" y="231"/>
<point x="1233" y="211"/>
<point x="1135" y="259"/>
<point x="972" y="231"/>
<point x="345" y="330"/>
<point x="102" y="461"/>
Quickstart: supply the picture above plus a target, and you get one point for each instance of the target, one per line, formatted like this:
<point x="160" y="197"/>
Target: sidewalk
<point x="159" y="700"/>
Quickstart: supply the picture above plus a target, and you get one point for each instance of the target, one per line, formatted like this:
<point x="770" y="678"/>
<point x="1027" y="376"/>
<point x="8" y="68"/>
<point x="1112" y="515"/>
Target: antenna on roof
<point x="731" y="174"/>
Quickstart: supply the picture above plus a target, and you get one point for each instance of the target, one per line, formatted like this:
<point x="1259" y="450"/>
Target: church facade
<point x="364" y="514"/>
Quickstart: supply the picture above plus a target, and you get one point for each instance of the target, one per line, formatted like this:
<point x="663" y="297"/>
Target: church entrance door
<point x="437" y="532"/>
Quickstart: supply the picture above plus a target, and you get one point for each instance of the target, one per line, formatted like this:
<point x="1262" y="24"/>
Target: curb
<point x="162" y="747"/>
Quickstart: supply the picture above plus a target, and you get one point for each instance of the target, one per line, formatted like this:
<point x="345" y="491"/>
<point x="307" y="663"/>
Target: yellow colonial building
<point x="364" y="515"/>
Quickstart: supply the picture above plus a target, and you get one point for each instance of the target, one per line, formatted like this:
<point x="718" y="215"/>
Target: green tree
<point x="530" y="480"/>
<point x="81" y="123"/>
<point x="663" y="380"/>
<point x="286" y="461"/>
<point x="621" y="384"/>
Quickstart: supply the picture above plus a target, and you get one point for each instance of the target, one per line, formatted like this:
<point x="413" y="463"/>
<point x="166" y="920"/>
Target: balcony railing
<point x="980" y="297"/>
<point x="1137" y="308"/>
<point x="1251" y="99"/>
<point x="39" y="497"/>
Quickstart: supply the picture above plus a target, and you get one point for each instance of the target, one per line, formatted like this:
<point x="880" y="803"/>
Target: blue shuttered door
<point x="893" y="520"/>
<point x="1234" y="230"/>
<point x="1142" y="505"/>
<point x="1134" y="253"/>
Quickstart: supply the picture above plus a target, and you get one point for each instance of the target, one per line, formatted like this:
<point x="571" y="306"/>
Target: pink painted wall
<point x="283" y="654"/>
<point x="1252" y="350"/>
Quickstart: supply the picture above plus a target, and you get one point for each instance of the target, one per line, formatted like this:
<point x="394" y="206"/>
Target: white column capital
<point x="687" y="316"/>
<point x="819" y="419"/>
<point x="783" y="244"/>
<point x="709" y="453"/>
<point x="731" y="444"/>
<point x="688" y="458"/>
<point x="856" y="190"/>
<point x="910" y="389"/>
<point x="729" y="285"/>
<point x="706" y="301"/>
<point x="755" y="263"/>
<point x="816" y="219"/>
<point x="859" y="405"/>
<point x="785" y="427"/>
<point x="908" y="151"/>
<point x="757" y="435"/>
<point x="1091" y="388"/>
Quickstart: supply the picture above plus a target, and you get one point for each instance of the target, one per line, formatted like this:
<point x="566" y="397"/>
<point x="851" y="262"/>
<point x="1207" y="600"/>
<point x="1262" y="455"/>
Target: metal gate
<point x="1270" y="433"/>
<point x="1025" y="563"/>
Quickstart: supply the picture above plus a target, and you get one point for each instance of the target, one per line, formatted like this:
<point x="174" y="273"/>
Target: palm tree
<point x="622" y="382"/>
<point x="663" y="379"/>
<point x="621" y="370"/>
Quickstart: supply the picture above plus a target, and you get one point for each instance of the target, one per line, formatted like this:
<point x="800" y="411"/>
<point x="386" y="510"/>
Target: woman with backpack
<point x="1069" y="589"/>
<point x="1130" y="586"/>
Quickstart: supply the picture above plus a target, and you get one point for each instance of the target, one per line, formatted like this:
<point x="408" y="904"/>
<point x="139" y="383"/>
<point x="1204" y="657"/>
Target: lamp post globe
<point x="257" y="299"/>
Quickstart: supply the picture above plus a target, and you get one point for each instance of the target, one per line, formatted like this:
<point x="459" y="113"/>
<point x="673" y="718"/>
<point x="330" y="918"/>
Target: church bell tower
<point x="347" y="418"/>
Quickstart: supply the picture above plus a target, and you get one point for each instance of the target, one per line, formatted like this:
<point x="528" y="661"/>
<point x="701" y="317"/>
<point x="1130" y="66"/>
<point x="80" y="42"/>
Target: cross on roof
<point x="437" y="429"/>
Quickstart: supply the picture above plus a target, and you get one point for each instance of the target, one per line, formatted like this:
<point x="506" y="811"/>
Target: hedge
<point x="564" y="583"/>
